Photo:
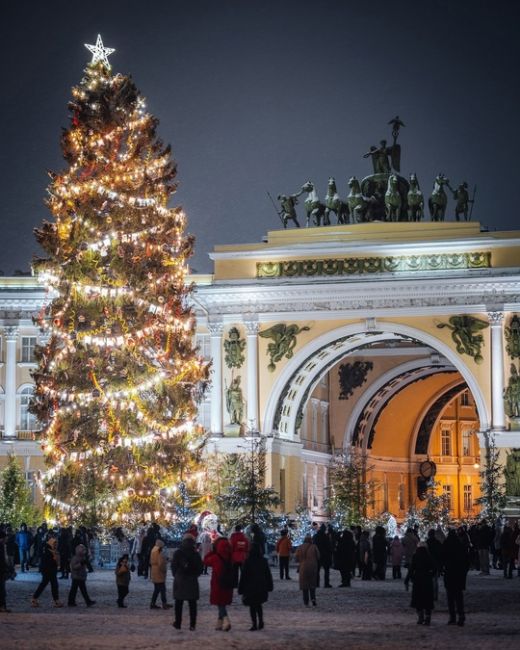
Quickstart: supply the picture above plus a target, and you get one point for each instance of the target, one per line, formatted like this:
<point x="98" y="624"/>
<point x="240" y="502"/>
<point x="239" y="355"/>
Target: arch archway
<point x="303" y="371"/>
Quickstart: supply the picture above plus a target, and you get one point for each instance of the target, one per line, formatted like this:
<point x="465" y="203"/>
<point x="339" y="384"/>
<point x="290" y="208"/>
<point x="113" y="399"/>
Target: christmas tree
<point x="119" y="377"/>
<point x="246" y="500"/>
<point x="16" y="504"/>
<point x="493" y="498"/>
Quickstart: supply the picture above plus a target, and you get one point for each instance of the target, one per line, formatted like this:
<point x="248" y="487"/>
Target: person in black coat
<point x="255" y="584"/>
<point x="435" y="551"/>
<point x="379" y="553"/>
<point x="186" y="568"/>
<point x="3" y="572"/>
<point x="346" y="557"/>
<point x="422" y="569"/>
<point x="324" y="544"/>
<point x="455" y="564"/>
<point x="49" y="571"/>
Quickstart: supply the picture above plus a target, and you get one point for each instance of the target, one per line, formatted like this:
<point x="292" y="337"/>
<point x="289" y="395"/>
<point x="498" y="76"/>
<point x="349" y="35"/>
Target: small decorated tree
<point x="492" y="499"/>
<point x="351" y="492"/>
<point x="246" y="499"/>
<point x="16" y="503"/>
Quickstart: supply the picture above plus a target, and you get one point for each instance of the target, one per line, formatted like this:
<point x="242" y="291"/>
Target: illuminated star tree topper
<point x="100" y="53"/>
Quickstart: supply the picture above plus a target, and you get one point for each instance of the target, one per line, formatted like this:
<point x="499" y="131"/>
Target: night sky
<point x="259" y="95"/>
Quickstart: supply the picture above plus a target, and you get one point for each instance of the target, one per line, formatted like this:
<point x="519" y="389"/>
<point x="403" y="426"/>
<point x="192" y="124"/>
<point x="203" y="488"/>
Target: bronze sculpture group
<point x="384" y="195"/>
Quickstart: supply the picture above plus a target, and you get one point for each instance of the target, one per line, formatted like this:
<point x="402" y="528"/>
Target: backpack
<point x="226" y="579"/>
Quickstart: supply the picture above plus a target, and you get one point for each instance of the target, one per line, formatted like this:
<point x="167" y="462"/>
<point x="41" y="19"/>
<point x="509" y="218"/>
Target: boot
<point x="218" y="626"/>
<point x="461" y="620"/>
<point x="420" y="617"/>
<point x="427" y="619"/>
<point x="57" y="603"/>
<point x="35" y="603"/>
<point x="226" y="625"/>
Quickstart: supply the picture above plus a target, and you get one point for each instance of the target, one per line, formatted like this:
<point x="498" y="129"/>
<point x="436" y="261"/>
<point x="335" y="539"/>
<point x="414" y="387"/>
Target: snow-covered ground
<point x="370" y="614"/>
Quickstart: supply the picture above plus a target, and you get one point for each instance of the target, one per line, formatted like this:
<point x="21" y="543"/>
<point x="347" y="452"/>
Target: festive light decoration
<point x="118" y="377"/>
<point x="100" y="53"/>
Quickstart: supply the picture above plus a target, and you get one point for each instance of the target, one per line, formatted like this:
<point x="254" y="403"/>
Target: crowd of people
<point x="238" y="562"/>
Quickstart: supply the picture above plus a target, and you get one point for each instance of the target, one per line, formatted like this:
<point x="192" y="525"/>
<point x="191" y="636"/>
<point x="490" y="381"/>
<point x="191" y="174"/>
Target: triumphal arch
<point x="397" y="337"/>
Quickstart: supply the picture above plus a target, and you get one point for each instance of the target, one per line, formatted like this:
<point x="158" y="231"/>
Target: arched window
<point x="27" y="420"/>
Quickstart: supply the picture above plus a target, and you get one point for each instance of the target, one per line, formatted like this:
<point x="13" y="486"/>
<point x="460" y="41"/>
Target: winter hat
<point x="159" y="543"/>
<point x="189" y="535"/>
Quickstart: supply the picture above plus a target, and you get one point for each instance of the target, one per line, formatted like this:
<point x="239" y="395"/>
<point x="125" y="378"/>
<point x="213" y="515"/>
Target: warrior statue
<point x="235" y="401"/>
<point x="461" y="196"/>
<point x="288" y="210"/>
<point x="512" y="394"/>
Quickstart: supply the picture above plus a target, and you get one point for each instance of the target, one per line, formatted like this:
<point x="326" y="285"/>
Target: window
<point x="204" y="415"/>
<point x="466" y="442"/>
<point x="465" y="399"/>
<point x="315" y="487"/>
<point x="27" y="420"/>
<point x="445" y="442"/>
<point x="448" y="493"/>
<point x="203" y="342"/>
<point x="282" y="486"/>
<point x="305" y="498"/>
<point x="400" y="496"/>
<point x="385" y="495"/>
<point x="468" y="498"/>
<point x="28" y="346"/>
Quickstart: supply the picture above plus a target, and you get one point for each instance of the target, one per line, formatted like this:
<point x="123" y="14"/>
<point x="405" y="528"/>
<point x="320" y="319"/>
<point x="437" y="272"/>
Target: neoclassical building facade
<point x="393" y="338"/>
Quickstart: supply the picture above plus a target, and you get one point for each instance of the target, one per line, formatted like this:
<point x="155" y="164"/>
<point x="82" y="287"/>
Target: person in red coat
<point x="239" y="550"/>
<point x="222" y="578"/>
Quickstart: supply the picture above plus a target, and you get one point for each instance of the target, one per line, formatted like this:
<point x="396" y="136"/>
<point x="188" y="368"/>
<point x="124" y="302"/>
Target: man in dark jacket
<point x="3" y="572"/>
<point x="324" y="544"/>
<point x="483" y="539"/>
<point x="186" y="568"/>
<point x="455" y="562"/>
<point x="379" y="553"/>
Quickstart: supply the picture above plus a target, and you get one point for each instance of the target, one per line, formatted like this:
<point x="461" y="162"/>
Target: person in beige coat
<point x="308" y="556"/>
<point x="158" y="566"/>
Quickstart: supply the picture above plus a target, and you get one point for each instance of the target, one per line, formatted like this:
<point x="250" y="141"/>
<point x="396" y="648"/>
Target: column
<point x="11" y="338"/>
<point x="215" y="332"/>
<point x="252" y="328"/>
<point x="498" y="417"/>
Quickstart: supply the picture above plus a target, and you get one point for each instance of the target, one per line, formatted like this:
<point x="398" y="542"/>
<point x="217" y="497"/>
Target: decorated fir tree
<point x="119" y="376"/>
<point x="16" y="503"/>
<point x="351" y="492"/>
<point x="246" y="499"/>
<point x="493" y="499"/>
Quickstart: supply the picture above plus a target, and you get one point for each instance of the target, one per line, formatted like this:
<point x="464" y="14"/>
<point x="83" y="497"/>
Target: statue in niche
<point x="234" y="349"/>
<point x="512" y="334"/>
<point x="465" y="333"/>
<point x="512" y="394"/>
<point x="284" y="342"/>
<point x="235" y="401"/>
<point x="512" y="473"/>
<point x="351" y="376"/>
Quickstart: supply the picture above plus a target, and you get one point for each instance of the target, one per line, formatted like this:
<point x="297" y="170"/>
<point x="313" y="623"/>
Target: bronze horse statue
<point x="314" y="207"/>
<point x="393" y="200"/>
<point x="333" y="203"/>
<point x="438" y="199"/>
<point x="415" y="200"/>
<point x="357" y="203"/>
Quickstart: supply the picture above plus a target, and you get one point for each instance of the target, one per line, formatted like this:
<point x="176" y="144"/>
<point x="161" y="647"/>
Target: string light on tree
<point x="119" y="376"/>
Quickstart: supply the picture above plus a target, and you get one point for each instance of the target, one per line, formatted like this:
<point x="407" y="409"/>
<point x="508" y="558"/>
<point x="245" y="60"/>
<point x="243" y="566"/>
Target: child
<point x="123" y="577"/>
<point x="256" y="582"/>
